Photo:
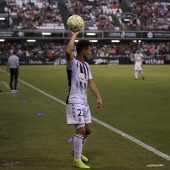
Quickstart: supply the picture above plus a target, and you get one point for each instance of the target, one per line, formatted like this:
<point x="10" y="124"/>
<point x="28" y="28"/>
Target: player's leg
<point x="78" y="146"/>
<point x="78" y="141"/>
<point x="16" y="79"/>
<point x="87" y="119"/>
<point x="87" y="132"/>
<point x="86" y="135"/>
<point x="136" y="74"/>
<point x="75" y="116"/>
<point x="136" y="71"/>
<point x="142" y="74"/>
<point x="11" y="79"/>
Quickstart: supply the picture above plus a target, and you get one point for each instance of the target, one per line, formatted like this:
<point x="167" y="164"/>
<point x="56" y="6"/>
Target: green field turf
<point x="139" y="108"/>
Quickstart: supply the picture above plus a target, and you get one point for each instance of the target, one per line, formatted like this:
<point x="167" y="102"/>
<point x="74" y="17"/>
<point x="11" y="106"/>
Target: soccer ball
<point x="75" y="23"/>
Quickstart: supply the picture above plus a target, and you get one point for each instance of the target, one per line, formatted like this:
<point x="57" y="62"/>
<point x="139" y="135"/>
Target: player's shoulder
<point x="87" y="64"/>
<point x="71" y="60"/>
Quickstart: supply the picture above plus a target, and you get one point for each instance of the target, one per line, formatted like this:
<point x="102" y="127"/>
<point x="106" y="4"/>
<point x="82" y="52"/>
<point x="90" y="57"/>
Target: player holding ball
<point x="77" y="107"/>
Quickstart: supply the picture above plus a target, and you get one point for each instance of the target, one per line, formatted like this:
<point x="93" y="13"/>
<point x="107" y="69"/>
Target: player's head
<point x="84" y="47"/>
<point x="138" y="51"/>
<point x="14" y="51"/>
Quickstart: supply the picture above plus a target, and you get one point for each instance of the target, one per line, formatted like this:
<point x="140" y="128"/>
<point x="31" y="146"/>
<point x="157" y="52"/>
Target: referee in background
<point x="13" y="68"/>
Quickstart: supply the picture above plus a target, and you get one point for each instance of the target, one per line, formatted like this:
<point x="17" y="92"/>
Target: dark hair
<point x="14" y="52"/>
<point x="83" y="45"/>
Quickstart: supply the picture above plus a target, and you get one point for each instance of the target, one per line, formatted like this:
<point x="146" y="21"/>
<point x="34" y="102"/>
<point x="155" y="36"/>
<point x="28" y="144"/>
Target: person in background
<point x="13" y="69"/>
<point x="77" y="107"/>
<point x="138" y="64"/>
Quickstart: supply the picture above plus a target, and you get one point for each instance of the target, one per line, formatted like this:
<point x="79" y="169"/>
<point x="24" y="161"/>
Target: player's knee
<point x="81" y="130"/>
<point x="88" y="131"/>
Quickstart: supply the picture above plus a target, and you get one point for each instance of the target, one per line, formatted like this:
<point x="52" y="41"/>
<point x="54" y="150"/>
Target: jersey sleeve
<point x="70" y="63"/>
<point x="17" y="61"/>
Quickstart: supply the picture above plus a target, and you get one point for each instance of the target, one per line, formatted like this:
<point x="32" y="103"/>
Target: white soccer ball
<point x="75" y="23"/>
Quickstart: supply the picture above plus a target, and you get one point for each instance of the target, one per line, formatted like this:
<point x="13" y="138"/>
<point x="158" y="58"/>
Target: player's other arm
<point x="142" y="60"/>
<point x="8" y="66"/>
<point x="95" y="91"/>
<point x="18" y="63"/>
<point x="70" y="46"/>
<point x="134" y="59"/>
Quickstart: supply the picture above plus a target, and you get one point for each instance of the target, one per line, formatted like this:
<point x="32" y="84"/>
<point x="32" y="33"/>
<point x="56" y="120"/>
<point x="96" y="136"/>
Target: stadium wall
<point x="97" y="61"/>
<point x="64" y="35"/>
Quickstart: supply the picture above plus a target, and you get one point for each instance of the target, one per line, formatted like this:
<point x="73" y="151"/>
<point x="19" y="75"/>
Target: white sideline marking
<point x="5" y="85"/>
<point x="155" y="165"/>
<point x="165" y="156"/>
<point x="58" y="100"/>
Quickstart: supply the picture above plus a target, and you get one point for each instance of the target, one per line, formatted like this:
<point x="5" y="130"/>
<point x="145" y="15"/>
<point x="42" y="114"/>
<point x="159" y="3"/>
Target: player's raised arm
<point x="70" y="46"/>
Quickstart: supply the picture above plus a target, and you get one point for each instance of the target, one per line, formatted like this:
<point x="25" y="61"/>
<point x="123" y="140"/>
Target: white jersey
<point x="138" y="58"/>
<point x="78" y="75"/>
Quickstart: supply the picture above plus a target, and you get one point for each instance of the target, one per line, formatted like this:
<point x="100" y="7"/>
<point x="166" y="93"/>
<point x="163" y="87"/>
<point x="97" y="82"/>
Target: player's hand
<point x="99" y="103"/>
<point x="74" y="33"/>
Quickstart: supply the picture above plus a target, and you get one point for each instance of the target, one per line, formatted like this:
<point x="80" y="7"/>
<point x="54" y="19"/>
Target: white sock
<point x="136" y="74"/>
<point x="85" y="138"/>
<point x="78" y="145"/>
<point x="141" y="72"/>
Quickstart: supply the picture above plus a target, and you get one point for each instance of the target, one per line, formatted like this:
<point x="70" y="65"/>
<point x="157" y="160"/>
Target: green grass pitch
<point x="139" y="108"/>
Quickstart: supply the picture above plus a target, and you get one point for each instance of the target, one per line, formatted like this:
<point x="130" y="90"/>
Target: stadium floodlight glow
<point x="90" y="33"/>
<point x="139" y="41"/>
<point x="117" y="41"/>
<point x="2" y="40"/>
<point x="93" y="40"/>
<point x="46" y="33"/>
<point x="134" y="41"/>
<point x="2" y="18"/>
<point x="31" y="40"/>
<point x="76" y="40"/>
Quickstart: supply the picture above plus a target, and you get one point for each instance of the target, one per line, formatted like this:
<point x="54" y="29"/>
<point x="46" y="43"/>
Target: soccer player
<point x="138" y="64"/>
<point x="13" y="67"/>
<point x="77" y="107"/>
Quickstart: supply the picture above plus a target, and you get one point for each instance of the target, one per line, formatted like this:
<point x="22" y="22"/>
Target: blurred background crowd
<point x="149" y="15"/>
<point x="98" y="14"/>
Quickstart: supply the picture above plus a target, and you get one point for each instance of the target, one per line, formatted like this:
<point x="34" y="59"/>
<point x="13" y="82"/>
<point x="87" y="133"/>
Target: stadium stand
<point x="98" y="15"/>
<point x="101" y="49"/>
<point x="35" y="14"/>
<point x="154" y="15"/>
<point x="102" y="15"/>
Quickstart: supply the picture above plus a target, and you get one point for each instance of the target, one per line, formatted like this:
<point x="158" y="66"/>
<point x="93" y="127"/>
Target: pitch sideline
<point x="131" y="138"/>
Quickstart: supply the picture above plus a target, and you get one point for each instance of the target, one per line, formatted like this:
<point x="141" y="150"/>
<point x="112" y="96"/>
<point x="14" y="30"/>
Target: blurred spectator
<point x="155" y="14"/>
<point x="98" y="15"/>
<point x="36" y="15"/>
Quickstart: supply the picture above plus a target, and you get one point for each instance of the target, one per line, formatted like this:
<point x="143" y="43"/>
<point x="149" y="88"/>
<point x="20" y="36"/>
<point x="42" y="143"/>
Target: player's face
<point x="87" y="53"/>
